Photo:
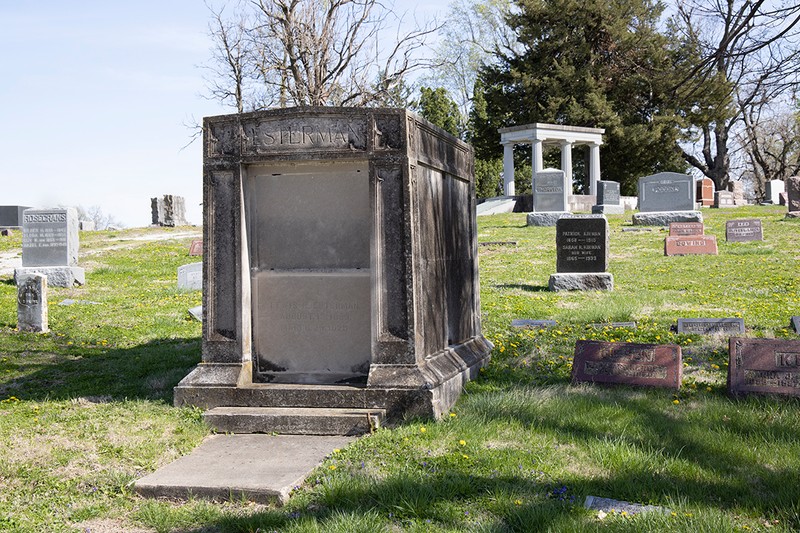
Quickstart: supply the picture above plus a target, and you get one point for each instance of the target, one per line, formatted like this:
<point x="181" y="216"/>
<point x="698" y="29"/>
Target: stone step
<point x="294" y="420"/>
<point x="279" y="395"/>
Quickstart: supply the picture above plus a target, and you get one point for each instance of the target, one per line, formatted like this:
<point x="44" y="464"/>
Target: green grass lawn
<point x="86" y="409"/>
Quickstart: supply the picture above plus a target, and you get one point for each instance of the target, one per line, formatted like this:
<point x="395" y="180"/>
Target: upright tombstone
<point x="774" y="190"/>
<point x="743" y="230"/>
<point x="169" y="210"/>
<point x="608" y="199"/>
<point x="550" y="197"/>
<point x="705" y="192"/>
<point x="737" y="188"/>
<point x="724" y="199"/>
<point x="582" y="254"/>
<point x="11" y="215"/>
<point x="190" y="277"/>
<point x="32" y="302"/>
<point x="793" y="197"/>
<point x="666" y="197"/>
<point x="50" y="246"/>
<point x="340" y="264"/>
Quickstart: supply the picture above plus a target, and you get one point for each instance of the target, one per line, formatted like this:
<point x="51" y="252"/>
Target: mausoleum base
<point x="57" y="276"/>
<point x="663" y="218"/>
<point x="608" y="209"/>
<point x="546" y="218"/>
<point x="592" y="281"/>
<point x="426" y="390"/>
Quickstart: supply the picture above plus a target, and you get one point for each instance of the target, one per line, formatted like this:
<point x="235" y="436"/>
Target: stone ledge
<point x="546" y="218"/>
<point x="663" y="218"/>
<point x="590" y="281"/>
<point x="57" y="276"/>
<point x="608" y="209"/>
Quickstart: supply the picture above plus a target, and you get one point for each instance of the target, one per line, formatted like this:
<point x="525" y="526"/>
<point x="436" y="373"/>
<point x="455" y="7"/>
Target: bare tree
<point x="737" y="54"/>
<point x="311" y="53"/>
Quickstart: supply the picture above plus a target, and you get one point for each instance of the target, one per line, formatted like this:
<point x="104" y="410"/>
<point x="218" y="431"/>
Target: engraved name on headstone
<point x="742" y="230"/>
<point x="666" y="191"/>
<point x="769" y="366"/>
<point x="532" y="324"/>
<point x="654" y="365"/>
<point x="691" y="245"/>
<point x="711" y="326"/>
<point x="677" y="229"/>
<point x="549" y="191"/>
<point x="49" y="237"/>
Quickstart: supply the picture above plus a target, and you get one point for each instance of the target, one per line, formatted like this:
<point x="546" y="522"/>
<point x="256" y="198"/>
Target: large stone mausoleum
<point x="340" y="264"/>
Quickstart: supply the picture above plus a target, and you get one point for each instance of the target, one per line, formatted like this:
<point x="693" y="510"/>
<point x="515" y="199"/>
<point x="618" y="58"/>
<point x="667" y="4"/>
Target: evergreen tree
<point x="437" y="106"/>
<point x="592" y="63"/>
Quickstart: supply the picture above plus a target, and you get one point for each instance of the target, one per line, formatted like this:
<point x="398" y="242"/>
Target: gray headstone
<point x="190" y="277"/>
<point x="582" y="244"/>
<point x="49" y="237"/>
<point x="793" y="194"/>
<point x="666" y="191"/>
<point x="32" y="302"/>
<point x="711" y="326"/>
<point x="87" y="225"/>
<point x="550" y="191"/>
<point x="613" y="325"/>
<point x="11" y="215"/>
<point x="608" y="505"/>
<point x="796" y="324"/>
<point x="196" y="313"/>
<point x="724" y="199"/>
<point x="607" y="193"/>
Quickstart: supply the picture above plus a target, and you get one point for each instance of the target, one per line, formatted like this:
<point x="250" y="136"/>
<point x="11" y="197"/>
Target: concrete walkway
<point x="257" y="467"/>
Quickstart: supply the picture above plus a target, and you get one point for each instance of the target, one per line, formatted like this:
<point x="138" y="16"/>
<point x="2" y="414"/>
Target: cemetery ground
<point x="86" y="408"/>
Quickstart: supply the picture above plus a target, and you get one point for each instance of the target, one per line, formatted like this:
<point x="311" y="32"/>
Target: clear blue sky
<point x="94" y="97"/>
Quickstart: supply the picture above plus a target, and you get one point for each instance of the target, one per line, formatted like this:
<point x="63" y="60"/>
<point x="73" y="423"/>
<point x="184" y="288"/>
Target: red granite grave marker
<point x="680" y="229"/>
<point x="196" y="248"/>
<point x="688" y="245"/>
<point x="625" y="363"/>
<point x="767" y="366"/>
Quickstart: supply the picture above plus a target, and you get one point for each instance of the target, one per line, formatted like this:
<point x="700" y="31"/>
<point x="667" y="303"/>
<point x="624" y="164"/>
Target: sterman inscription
<point x="764" y="366"/>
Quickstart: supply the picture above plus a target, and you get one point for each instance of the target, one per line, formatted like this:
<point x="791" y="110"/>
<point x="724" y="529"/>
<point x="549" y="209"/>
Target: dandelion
<point x="336" y="450"/>
<point x="332" y="467"/>
<point x="465" y="456"/>
<point x="517" y="502"/>
<point x="676" y="402"/>
<point x="452" y="415"/>
<point x="462" y="442"/>
<point x="422" y="429"/>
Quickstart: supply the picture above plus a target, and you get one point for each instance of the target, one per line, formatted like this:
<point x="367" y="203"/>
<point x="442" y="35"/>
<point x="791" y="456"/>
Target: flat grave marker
<point x="625" y="363"/>
<point x="711" y="326"/>
<point x="743" y="230"/>
<point x="691" y="245"/>
<point x="532" y="324"/>
<point x="682" y="229"/>
<point x="766" y="366"/>
<point x="614" y="325"/>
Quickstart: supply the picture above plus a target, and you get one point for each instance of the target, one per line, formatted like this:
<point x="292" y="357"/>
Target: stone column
<point x="566" y="162"/>
<point x="508" y="169"/>
<point x="536" y="159"/>
<point x="594" y="167"/>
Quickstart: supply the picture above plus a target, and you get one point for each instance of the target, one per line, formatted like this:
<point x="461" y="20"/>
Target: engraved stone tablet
<point x="743" y="230"/>
<point x="793" y="194"/>
<point x="625" y="363"/>
<point x="582" y="244"/>
<point x="532" y="324"/>
<point x="711" y="326"/>
<point x="678" y="229"/>
<point x="613" y="325"/>
<point x="698" y="245"/>
<point x="49" y="237"/>
<point x="608" y="505"/>
<point x="196" y="248"/>
<point x="769" y="366"/>
<point x="190" y="277"/>
<point x="724" y="199"/>
<point x="550" y="191"/>
<point x="607" y="192"/>
<point x="32" y="302"/>
<point x="666" y="191"/>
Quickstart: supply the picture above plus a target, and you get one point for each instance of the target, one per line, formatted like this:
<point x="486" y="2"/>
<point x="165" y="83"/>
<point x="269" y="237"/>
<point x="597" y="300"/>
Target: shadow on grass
<point x="730" y="456"/>
<point x="148" y="371"/>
